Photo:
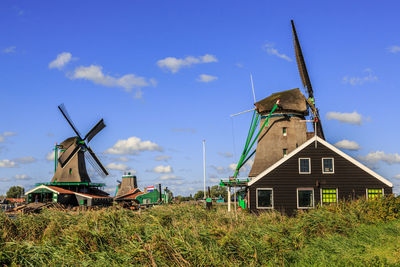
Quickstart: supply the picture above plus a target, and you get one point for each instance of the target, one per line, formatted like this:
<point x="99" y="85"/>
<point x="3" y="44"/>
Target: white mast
<point x="204" y="166"/>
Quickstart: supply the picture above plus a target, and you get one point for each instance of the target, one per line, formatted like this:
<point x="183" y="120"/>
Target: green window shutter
<point x="329" y="196"/>
<point x="375" y="193"/>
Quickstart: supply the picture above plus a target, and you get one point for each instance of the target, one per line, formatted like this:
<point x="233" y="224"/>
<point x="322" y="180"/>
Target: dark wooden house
<point x="315" y="173"/>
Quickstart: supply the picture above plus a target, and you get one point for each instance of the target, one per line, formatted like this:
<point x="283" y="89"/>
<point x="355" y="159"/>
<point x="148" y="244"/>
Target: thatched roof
<point x="291" y="100"/>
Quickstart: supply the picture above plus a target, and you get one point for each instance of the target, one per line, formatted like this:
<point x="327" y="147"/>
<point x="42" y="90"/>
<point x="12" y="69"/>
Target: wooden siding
<point x="349" y="179"/>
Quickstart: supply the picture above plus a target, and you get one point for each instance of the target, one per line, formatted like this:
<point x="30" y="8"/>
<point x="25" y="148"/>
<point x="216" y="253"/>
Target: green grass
<point x="361" y="233"/>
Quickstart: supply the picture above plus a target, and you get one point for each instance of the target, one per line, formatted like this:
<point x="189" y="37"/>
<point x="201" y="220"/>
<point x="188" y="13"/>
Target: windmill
<point x="282" y="120"/>
<point x="71" y="166"/>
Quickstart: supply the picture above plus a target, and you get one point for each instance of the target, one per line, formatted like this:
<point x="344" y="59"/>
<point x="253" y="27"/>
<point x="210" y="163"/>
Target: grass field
<point x="361" y="233"/>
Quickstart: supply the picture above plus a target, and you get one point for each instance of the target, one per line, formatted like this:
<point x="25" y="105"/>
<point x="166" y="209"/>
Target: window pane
<point x="305" y="198"/>
<point x="328" y="165"/>
<point x="329" y="196"/>
<point x="264" y="198"/>
<point x="374" y="193"/>
<point x="304" y="165"/>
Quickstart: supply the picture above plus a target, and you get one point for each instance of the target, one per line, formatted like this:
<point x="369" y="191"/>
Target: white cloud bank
<point x="349" y="145"/>
<point x="9" y="50"/>
<point x="162" y="169"/>
<point x="62" y="59"/>
<point x="6" y="134"/>
<point x="117" y="166"/>
<point x="174" y="64"/>
<point x="350" y="118"/>
<point x="355" y="80"/>
<point x="163" y="158"/>
<point x="397" y="176"/>
<point x="205" y="78"/>
<point x="94" y="73"/>
<point x="132" y="146"/>
<point x="269" y="48"/>
<point x="374" y="158"/>
<point x="25" y="160"/>
<point x="394" y="49"/>
<point x="6" y="163"/>
<point x="169" y="177"/>
<point x="22" y="177"/>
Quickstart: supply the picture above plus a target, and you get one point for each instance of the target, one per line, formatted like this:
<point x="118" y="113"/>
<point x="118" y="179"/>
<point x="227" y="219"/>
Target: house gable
<point x="318" y="141"/>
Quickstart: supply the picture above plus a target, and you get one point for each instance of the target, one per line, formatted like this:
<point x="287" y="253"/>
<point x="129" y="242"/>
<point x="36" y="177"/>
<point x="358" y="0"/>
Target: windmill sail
<point x="301" y="64"/>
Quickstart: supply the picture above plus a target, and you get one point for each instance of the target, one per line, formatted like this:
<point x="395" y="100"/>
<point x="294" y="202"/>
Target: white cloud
<point x="163" y="158"/>
<point x="22" y="177"/>
<point x="397" y="176"/>
<point x="394" y="49"/>
<point x="61" y="60"/>
<point x="373" y="158"/>
<point x="6" y="163"/>
<point x="3" y="179"/>
<point x="214" y="180"/>
<point x="9" y="134"/>
<point x="117" y="166"/>
<point x="269" y="47"/>
<point x="350" y="118"/>
<point x="174" y="64"/>
<point x="133" y="145"/>
<point x="8" y="50"/>
<point x="232" y="166"/>
<point x="50" y="156"/>
<point x="6" y="134"/>
<point x="205" y="78"/>
<point x="123" y="159"/>
<point x="225" y="154"/>
<point x="370" y="77"/>
<point x="25" y="160"/>
<point x="162" y="169"/>
<point x="94" y="73"/>
<point x="169" y="177"/>
<point x="239" y="65"/>
<point x="346" y="144"/>
<point x="219" y="169"/>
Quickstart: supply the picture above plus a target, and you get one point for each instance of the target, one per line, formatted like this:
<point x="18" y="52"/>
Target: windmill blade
<point x="301" y="64"/>
<point x="68" y="154"/>
<point x="319" y="129"/>
<point x="95" y="162"/>
<point x="67" y="117"/>
<point x="95" y="130"/>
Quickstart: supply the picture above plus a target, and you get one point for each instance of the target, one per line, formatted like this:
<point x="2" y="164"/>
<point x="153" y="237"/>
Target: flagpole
<point x="204" y="166"/>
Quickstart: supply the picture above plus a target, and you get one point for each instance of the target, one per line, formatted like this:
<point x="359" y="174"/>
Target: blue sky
<point x="165" y="75"/>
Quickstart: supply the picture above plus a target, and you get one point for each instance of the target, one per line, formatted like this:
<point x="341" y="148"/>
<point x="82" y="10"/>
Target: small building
<point x="315" y="173"/>
<point x="48" y="193"/>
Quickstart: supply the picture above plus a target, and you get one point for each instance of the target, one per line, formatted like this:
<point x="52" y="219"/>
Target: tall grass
<point x="358" y="233"/>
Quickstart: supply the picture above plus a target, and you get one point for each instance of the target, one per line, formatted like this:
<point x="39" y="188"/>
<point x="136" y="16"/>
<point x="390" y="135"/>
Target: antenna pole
<point x="204" y="166"/>
<point x="252" y="87"/>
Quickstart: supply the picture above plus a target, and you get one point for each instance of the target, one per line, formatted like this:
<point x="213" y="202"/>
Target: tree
<point x="217" y="191"/>
<point x="199" y="195"/>
<point x="15" y="192"/>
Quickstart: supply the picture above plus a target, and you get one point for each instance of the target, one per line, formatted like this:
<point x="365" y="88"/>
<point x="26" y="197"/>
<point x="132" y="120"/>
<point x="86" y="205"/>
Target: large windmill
<point x="282" y="120"/>
<point x="71" y="165"/>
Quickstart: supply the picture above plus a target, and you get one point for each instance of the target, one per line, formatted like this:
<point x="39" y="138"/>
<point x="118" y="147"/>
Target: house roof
<point x="131" y="194"/>
<point x="331" y="147"/>
<point x="59" y="190"/>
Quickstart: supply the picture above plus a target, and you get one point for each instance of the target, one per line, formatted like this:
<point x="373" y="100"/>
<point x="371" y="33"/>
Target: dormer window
<point x="304" y="165"/>
<point x="284" y="131"/>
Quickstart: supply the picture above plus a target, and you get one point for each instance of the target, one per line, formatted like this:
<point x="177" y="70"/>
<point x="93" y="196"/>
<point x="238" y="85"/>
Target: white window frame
<point x="313" y="198"/>
<point x="333" y="166"/>
<point x="309" y="166"/>
<point x="366" y="191"/>
<point x="272" y="199"/>
<point x="337" y="195"/>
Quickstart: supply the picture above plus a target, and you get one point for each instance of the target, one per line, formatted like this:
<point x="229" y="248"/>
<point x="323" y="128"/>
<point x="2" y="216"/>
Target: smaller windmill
<point x="71" y="166"/>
